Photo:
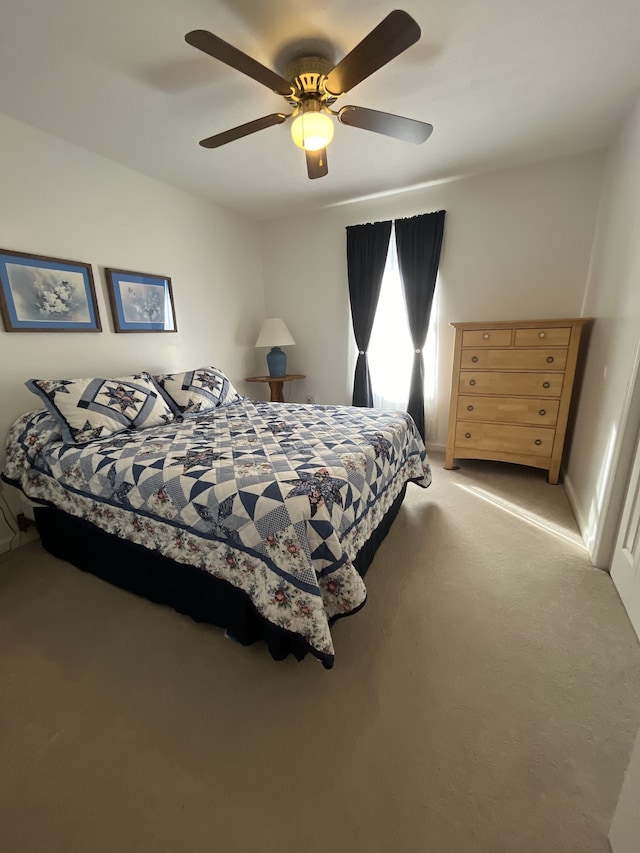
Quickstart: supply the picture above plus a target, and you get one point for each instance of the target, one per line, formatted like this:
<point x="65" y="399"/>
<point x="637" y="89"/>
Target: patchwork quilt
<point x="275" y="498"/>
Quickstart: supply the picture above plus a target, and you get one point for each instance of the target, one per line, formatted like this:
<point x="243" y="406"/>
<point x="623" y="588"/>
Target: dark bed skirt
<point x="185" y="588"/>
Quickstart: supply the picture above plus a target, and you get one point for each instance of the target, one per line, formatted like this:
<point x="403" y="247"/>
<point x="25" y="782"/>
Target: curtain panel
<point x="367" y="247"/>
<point x="419" y="241"/>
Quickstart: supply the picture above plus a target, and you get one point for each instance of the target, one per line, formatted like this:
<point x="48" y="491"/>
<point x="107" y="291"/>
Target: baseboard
<point x="436" y="448"/>
<point x="588" y="535"/>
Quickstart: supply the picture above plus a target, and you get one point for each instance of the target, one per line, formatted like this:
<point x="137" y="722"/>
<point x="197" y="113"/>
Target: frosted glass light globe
<point x="312" y="131"/>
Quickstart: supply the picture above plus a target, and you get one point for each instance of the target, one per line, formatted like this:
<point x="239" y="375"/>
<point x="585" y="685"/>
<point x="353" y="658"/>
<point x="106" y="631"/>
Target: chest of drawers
<point x="511" y="391"/>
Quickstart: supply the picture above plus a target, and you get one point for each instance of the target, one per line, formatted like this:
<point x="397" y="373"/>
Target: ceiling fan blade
<point x="230" y="55"/>
<point x="317" y="163"/>
<point x="243" y="130"/>
<point x="399" y="127"/>
<point x="395" y="33"/>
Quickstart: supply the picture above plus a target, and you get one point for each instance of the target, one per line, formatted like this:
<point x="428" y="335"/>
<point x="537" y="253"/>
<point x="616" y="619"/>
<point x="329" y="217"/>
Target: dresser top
<point x="522" y="324"/>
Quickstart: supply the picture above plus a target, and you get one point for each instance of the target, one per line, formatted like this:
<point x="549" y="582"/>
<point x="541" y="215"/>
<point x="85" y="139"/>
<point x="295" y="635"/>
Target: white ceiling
<point x="502" y="81"/>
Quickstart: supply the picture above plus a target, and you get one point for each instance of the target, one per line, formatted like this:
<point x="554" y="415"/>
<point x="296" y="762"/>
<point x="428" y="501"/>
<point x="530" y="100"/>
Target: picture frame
<point x="44" y="294"/>
<point x="141" y="302"/>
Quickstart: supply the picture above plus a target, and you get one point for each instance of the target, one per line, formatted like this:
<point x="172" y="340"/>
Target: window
<point x="390" y="352"/>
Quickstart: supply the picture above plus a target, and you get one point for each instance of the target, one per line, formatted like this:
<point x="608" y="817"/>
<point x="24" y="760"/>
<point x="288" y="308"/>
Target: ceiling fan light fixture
<point x="313" y="85"/>
<point x="312" y="131"/>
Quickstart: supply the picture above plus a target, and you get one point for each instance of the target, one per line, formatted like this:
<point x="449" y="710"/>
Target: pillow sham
<point x="195" y="392"/>
<point x="94" y="408"/>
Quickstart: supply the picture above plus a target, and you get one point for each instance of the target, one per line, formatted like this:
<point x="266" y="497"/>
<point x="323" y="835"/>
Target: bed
<point x="261" y="518"/>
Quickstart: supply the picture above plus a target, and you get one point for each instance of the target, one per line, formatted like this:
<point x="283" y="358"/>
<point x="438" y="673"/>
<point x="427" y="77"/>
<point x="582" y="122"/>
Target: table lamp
<point x="275" y="334"/>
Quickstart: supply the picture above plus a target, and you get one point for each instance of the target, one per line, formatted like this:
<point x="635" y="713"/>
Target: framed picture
<point x="141" y="302"/>
<point x="40" y="294"/>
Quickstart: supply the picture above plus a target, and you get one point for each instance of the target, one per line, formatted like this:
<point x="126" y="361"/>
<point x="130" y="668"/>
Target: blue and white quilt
<point x="276" y="499"/>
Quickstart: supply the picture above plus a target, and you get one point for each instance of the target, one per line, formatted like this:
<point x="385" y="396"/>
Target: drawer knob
<point x="486" y="336"/>
<point x="474" y="359"/>
<point x="546" y="385"/>
<point x="549" y="359"/>
<point x="542" y="412"/>
<point x="472" y="382"/>
<point x="541" y="335"/>
<point x="538" y="441"/>
<point x="469" y="408"/>
<point x="467" y="435"/>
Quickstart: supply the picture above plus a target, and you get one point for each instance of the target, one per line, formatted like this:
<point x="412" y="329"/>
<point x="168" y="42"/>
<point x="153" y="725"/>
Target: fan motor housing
<point x="307" y="75"/>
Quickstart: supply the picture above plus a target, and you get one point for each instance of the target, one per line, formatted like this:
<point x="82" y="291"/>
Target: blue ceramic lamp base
<point x="277" y="362"/>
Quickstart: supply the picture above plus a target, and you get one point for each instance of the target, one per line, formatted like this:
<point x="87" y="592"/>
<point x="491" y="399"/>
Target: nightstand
<point x="276" y="384"/>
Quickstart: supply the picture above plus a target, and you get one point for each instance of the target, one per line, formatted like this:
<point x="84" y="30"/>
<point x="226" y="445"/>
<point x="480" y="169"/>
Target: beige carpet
<point x="486" y="699"/>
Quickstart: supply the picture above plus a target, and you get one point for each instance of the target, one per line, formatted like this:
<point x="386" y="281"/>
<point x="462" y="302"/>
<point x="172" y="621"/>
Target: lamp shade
<point x="274" y="333"/>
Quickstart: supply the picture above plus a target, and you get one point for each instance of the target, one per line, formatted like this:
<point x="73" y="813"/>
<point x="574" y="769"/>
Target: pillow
<point x="197" y="391"/>
<point x="96" y="407"/>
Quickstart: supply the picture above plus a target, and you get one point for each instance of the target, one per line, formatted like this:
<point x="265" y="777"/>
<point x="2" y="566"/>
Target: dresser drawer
<point x="513" y="359"/>
<point x="511" y="410"/>
<point x="487" y="338"/>
<point x="523" y="384"/>
<point x="553" y="337"/>
<point x="502" y="438"/>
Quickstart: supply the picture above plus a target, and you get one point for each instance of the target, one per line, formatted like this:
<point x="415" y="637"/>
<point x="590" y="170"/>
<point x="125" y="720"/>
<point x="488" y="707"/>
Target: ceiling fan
<point x="315" y="85"/>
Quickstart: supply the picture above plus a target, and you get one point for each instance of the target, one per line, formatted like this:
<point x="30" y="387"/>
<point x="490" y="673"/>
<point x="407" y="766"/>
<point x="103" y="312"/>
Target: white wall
<point x="60" y="200"/>
<point x="517" y="246"/>
<point x="602" y="444"/>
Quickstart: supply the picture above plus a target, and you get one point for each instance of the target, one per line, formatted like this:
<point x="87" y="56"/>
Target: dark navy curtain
<point x="419" y="240"/>
<point x="367" y="247"/>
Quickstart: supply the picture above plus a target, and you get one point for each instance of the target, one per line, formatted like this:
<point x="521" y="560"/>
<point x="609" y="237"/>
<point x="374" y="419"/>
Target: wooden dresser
<point x="511" y="391"/>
